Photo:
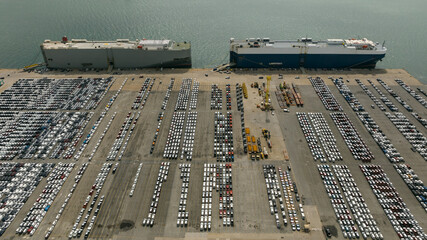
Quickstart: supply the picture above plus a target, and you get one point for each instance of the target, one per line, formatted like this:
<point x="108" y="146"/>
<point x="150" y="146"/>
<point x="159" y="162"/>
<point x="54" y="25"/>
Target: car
<point x="328" y="232"/>
<point x="285" y="110"/>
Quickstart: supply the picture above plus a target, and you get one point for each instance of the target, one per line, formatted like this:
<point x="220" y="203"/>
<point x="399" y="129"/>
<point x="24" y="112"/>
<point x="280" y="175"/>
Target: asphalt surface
<point x="121" y="216"/>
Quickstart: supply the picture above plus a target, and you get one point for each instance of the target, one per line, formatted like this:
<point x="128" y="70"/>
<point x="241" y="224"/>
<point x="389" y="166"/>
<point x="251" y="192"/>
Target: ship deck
<point x="280" y="44"/>
<point x="104" y="45"/>
<point x="89" y="45"/>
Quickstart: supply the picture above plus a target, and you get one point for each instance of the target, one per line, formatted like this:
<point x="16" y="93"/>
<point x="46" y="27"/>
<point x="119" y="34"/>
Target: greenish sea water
<point x="24" y="24"/>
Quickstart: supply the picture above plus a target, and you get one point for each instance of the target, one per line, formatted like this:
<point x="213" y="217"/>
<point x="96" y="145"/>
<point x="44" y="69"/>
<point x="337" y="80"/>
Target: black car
<point x="328" y="232"/>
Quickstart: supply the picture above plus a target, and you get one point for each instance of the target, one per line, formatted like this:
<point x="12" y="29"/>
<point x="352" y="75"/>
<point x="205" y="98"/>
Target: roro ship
<point x="305" y="53"/>
<point x="122" y="53"/>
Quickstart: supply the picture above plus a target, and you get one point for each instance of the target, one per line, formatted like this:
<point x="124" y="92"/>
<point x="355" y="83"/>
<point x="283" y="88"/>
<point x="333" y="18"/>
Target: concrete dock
<point x="121" y="216"/>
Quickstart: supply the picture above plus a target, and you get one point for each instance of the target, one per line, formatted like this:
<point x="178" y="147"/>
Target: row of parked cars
<point x="397" y="97"/>
<point x="183" y="95"/>
<point x="417" y="97"/>
<point x="380" y="138"/>
<point x="410" y="132"/>
<point x="239" y="98"/>
<point x="310" y="137"/>
<point x="156" y="134"/>
<point x="422" y="91"/>
<point x="68" y="126"/>
<point x="361" y="213"/>
<point x="420" y="119"/>
<point x="225" y="190"/>
<point x="89" y="205"/>
<point x="173" y="141"/>
<point x="87" y="138"/>
<point x="223" y="138"/>
<point x="98" y="122"/>
<point x="209" y="183"/>
<point x="168" y="94"/>
<point x="415" y="184"/>
<point x="383" y="98"/>
<point x="29" y="134"/>
<point x="54" y="94"/>
<point x="88" y="93"/>
<point x="217" y="177"/>
<point x="70" y="147"/>
<point x="325" y="136"/>
<point x="17" y="183"/>
<point x="216" y="97"/>
<point x="319" y="137"/>
<point x="348" y="95"/>
<point x="43" y="203"/>
<point x="240" y="108"/>
<point x="162" y="114"/>
<point x="40" y="146"/>
<point x="92" y="220"/>
<point x="143" y="93"/>
<point x="135" y="180"/>
<point x="125" y="144"/>
<point x="7" y="125"/>
<point x="274" y="193"/>
<point x="182" y="220"/>
<point x="102" y="136"/>
<point x="77" y="178"/>
<point x="371" y="95"/>
<point x="395" y="209"/>
<point x="325" y="94"/>
<point x="99" y="92"/>
<point x="414" y="94"/>
<point x="161" y="179"/>
<point x="189" y="134"/>
<point x="127" y="126"/>
<point x="228" y="96"/>
<point x="21" y="132"/>
<point x="47" y="140"/>
<point x="290" y="191"/>
<point x="352" y="138"/>
<point x="194" y="96"/>
<point x="114" y="97"/>
<point x="342" y="212"/>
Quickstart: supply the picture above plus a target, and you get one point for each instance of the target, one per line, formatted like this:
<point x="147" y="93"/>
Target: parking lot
<point x="122" y="215"/>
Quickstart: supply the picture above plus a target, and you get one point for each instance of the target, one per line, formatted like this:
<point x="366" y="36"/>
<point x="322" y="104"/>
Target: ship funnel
<point x="64" y="39"/>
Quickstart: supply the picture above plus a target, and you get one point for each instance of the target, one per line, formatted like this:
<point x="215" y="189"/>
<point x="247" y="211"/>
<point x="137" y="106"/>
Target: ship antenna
<point x="384" y="43"/>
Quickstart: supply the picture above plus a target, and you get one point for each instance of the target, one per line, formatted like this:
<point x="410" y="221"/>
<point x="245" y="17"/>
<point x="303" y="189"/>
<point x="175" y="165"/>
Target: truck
<point x="247" y="131"/>
<point x="255" y="148"/>
<point x="265" y="153"/>
<point x="266" y="133"/>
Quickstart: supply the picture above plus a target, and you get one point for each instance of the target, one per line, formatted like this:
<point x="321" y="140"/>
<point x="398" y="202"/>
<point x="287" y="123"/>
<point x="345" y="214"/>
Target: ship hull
<point x="116" y="58"/>
<point x="305" y="60"/>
